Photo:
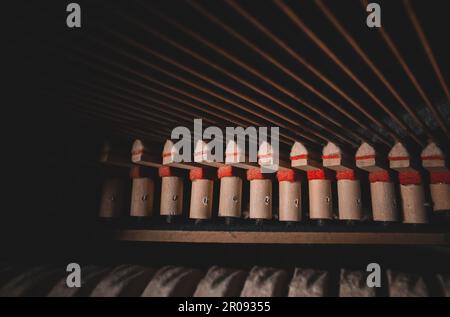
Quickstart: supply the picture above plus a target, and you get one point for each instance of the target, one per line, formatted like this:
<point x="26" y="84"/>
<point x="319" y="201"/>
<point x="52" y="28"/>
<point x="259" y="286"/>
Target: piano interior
<point x="341" y="186"/>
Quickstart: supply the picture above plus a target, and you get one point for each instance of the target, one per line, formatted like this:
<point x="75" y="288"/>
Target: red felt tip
<point x="166" y="171"/>
<point x="299" y="157"/>
<point x="138" y="152"/>
<point x="432" y="157"/>
<point x="316" y="174"/>
<point x="398" y="158"/>
<point x="380" y="176"/>
<point x="410" y="178"/>
<point x="201" y="173"/>
<point x="331" y="156"/>
<point x="364" y="157"/>
<point x="440" y="177"/>
<point x="346" y="174"/>
<point x="135" y="172"/>
<point x="227" y="171"/>
<point x="255" y="173"/>
<point x="140" y="171"/>
<point x="288" y="175"/>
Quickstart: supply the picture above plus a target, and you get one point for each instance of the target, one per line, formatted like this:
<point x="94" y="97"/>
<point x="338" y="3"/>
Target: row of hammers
<point x="321" y="171"/>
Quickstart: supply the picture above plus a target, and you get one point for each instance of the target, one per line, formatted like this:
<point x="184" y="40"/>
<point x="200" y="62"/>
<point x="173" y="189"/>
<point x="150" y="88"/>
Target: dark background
<point x="52" y="133"/>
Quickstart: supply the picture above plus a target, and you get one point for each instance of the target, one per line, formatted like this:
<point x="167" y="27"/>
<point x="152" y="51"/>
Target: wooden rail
<point x="373" y="238"/>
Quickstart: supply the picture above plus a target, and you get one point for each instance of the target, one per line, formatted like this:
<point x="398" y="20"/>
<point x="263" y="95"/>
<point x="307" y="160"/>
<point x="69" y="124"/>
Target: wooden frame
<point x="373" y="238"/>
